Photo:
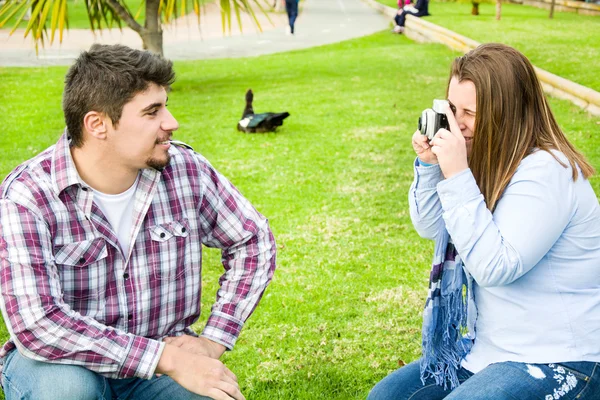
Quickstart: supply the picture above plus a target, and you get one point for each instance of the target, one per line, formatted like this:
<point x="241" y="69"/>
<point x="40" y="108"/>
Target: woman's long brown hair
<point x="512" y="120"/>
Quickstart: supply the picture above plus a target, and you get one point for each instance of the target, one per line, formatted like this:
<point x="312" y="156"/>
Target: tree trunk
<point x="152" y="34"/>
<point x="498" y="9"/>
<point x="552" y="9"/>
<point x="475" y="9"/>
<point x="153" y="41"/>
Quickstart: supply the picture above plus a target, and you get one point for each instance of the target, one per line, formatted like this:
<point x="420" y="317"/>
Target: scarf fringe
<point x="443" y="353"/>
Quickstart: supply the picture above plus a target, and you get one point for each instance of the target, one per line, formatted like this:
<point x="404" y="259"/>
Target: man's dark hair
<point x="105" y="78"/>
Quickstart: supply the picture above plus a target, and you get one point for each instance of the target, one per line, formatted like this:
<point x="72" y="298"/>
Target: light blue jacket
<point x="535" y="261"/>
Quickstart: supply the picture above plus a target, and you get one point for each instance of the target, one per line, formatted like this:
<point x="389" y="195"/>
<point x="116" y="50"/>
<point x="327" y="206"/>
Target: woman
<point x="513" y="310"/>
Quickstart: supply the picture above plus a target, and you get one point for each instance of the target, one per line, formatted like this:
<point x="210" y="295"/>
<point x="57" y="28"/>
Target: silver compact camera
<point x="433" y="119"/>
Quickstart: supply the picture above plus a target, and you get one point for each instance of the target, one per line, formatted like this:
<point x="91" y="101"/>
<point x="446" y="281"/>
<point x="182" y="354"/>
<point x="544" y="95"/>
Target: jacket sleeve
<point x="424" y="202"/>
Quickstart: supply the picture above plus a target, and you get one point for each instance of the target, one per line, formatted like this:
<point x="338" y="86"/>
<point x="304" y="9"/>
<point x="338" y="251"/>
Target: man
<point x="100" y="248"/>
<point x="291" y="8"/>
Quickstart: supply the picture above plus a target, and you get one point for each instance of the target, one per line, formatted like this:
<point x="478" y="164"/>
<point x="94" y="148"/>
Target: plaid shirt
<point x="69" y="294"/>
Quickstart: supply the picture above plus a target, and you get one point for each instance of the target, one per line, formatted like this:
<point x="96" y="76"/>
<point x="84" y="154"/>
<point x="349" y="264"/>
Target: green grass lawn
<point x="344" y="307"/>
<point x="568" y="45"/>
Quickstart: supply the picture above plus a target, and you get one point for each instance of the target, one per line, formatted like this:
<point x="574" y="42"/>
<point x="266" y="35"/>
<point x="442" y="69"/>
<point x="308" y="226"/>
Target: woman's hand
<point x="423" y="149"/>
<point x="449" y="148"/>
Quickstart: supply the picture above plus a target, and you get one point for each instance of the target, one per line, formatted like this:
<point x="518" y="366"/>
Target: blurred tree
<point x="108" y="12"/>
<point x="552" y="9"/>
<point x="475" y="6"/>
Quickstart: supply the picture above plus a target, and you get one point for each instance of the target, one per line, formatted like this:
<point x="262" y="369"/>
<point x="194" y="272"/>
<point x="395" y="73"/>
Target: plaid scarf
<point x="449" y="315"/>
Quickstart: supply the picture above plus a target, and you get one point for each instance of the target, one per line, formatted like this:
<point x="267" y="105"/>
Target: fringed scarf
<point x="449" y="316"/>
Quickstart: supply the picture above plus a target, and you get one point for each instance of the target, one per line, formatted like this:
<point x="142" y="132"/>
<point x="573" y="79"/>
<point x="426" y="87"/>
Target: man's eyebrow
<point x="151" y="106"/>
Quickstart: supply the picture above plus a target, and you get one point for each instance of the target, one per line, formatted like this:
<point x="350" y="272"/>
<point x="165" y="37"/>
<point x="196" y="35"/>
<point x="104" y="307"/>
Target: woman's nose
<point x="460" y="119"/>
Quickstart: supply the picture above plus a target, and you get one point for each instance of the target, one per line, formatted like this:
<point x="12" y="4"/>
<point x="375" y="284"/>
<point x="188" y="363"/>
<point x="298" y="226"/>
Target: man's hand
<point x="199" y="374"/>
<point x="449" y="147"/>
<point x="197" y="345"/>
<point x="423" y="148"/>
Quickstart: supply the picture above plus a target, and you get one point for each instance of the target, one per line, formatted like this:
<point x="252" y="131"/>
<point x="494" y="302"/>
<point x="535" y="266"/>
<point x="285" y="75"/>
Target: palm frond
<point x="101" y="14"/>
<point x="35" y="18"/>
<point x="62" y="20"/>
<point x="139" y="10"/>
<point x="55" y="17"/>
<point x="40" y="13"/>
<point x="226" y="15"/>
<point x="40" y="28"/>
<point x="166" y="9"/>
<point x="196" y="6"/>
<point x="239" y="6"/>
<point x="8" y="11"/>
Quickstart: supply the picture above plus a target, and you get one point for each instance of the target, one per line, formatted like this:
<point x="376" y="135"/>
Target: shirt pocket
<point x="83" y="272"/>
<point x="167" y="249"/>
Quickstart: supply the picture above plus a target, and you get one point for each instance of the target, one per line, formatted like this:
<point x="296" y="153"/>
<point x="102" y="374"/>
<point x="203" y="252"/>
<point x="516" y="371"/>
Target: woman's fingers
<point x="454" y="128"/>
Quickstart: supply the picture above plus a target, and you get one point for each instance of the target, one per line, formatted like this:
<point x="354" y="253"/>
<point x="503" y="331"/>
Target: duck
<point x="259" y="123"/>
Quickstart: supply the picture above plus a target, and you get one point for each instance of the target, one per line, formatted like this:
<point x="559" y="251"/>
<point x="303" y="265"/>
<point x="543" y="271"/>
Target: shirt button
<point x="84" y="188"/>
<point x="130" y="317"/>
<point x="183" y="230"/>
<point x="81" y="260"/>
<point x="162" y="235"/>
<point x="125" y="275"/>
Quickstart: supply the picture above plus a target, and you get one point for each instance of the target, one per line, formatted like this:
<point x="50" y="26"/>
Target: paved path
<point x="320" y="22"/>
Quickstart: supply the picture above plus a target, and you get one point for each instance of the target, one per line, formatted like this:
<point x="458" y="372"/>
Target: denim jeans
<point x="501" y="381"/>
<point x="23" y="378"/>
<point x="291" y="7"/>
<point x="400" y="19"/>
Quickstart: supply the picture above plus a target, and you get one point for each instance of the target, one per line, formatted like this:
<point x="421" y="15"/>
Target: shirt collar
<point x="64" y="172"/>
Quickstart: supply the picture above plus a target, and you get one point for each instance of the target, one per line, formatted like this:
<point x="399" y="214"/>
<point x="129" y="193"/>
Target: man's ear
<point x="96" y="124"/>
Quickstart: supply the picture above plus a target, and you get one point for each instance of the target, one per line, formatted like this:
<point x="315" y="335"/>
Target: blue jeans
<point x="501" y="381"/>
<point x="291" y="7"/>
<point x="23" y="378"/>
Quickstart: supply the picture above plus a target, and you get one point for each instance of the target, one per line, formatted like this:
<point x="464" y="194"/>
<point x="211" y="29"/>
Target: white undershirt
<point x="118" y="209"/>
